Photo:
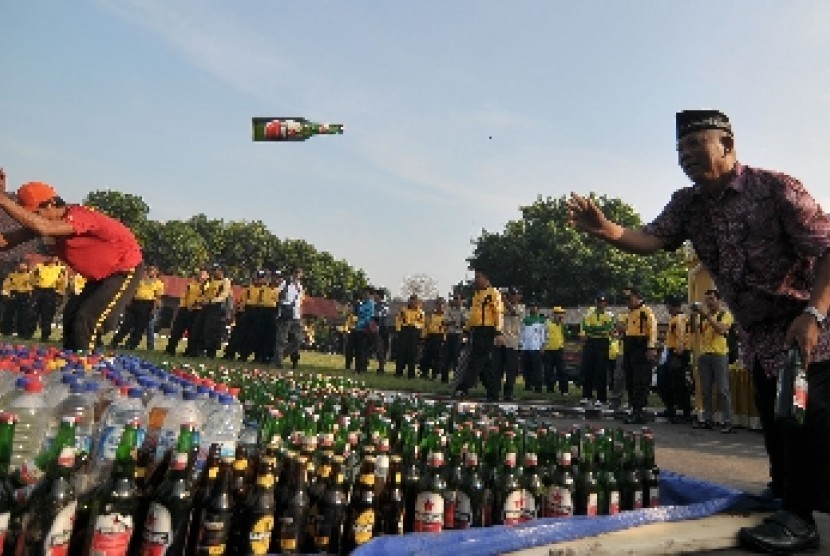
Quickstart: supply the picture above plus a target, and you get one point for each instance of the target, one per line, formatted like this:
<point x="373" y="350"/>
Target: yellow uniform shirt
<point x="217" y="291"/>
<point x="250" y="298"/>
<point x="556" y="336"/>
<point x="434" y="324"/>
<point x="410" y="317"/>
<point x="710" y="340"/>
<point x="192" y="293"/>
<point x="486" y="309"/>
<point x="17" y="282"/>
<point x="149" y="289"/>
<point x="351" y="322"/>
<point x="598" y="325"/>
<point x="268" y="296"/>
<point x="614" y="349"/>
<point x="48" y="276"/>
<point x="641" y="323"/>
<point x="677" y="335"/>
<point x="75" y="285"/>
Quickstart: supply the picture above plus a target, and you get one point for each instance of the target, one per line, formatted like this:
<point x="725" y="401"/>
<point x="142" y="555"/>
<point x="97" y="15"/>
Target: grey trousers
<point x="714" y="371"/>
<point x="289" y="337"/>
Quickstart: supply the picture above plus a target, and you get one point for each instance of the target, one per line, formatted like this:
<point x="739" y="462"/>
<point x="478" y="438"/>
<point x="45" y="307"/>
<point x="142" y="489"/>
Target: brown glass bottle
<point x="294" y="513"/>
<point x="391" y="500"/>
<point x="360" y="520"/>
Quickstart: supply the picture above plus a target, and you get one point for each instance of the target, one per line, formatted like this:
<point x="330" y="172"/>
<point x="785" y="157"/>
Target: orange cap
<point x="32" y="194"/>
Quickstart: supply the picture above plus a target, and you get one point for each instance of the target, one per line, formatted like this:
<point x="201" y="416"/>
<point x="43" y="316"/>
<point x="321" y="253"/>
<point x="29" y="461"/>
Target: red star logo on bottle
<point x="428" y="505"/>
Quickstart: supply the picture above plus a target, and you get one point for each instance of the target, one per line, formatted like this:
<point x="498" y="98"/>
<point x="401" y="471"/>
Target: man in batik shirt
<point x="766" y="242"/>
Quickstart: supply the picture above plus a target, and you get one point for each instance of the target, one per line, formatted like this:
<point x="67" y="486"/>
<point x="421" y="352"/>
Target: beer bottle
<point x="328" y="535"/>
<point x="168" y="518"/>
<point x="202" y="492"/>
<point x="360" y="522"/>
<point x="217" y="513"/>
<point x="469" y="511"/>
<point x="561" y="496"/>
<point x="650" y="474"/>
<point x="512" y="504"/>
<point x="239" y="482"/>
<point x="411" y="484"/>
<point x="294" y="513"/>
<point x="256" y="516"/>
<point x="7" y="422"/>
<point x="52" y="504"/>
<point x="391" y="501"/>
<point x="113" y="508"/>
<point x="429" y="504"/>
<point x="532" y="479"/>
<point x="608" y="496"/>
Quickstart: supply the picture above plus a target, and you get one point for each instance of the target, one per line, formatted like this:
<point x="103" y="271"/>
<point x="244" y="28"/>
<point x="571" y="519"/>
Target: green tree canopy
<point x="552" y="263"/>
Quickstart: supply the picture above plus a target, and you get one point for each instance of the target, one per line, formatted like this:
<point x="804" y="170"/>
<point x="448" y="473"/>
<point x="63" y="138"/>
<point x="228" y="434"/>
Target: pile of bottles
<point x="117" y="456"/>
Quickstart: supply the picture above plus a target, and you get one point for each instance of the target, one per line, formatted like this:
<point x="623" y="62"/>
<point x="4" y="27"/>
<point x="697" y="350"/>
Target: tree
<point x="422" y="285"/>
<point x="553" y="263"/>
<point x="175" y="247"/>
<point x="126" y="207"/>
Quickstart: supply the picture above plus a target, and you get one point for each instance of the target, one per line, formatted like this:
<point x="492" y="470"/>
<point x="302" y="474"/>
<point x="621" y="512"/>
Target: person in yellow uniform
<point x="259" y="302"/>
<point x="186" y="313"/>
<point x="713" y="363"/>
<point x="597" y="326"/>
<point x="671" y="374"/>
<point x="408" y="325"/>
<point x="47" y="279"/>
<point x="244" y="315"/>
<point x="17" y="292"/>
<point x="484" y="325"/>
<point x="264" y="352"/>
<point x="349" y="337"/>
<point x="434" y="333"/>
<point x="140" y="310"/>
<point x="208" y="326"/>
<point x="553" y="352"/>
<point x="639" y="354"/>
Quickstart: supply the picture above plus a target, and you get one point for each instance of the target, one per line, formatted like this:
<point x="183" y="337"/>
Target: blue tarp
<point x="681" y="498"/>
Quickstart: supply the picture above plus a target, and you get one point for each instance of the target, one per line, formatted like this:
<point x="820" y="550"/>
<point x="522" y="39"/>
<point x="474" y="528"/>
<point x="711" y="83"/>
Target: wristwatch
<point x="820" y="317"/>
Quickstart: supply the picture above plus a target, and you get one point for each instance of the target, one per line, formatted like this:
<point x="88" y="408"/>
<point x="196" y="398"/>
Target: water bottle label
<point x="83" y="443"/>
<point x="228" y="448"/>
<point x="111" y="536"/>
<point x="110" y="437"/>
<point x="56" y="542"/>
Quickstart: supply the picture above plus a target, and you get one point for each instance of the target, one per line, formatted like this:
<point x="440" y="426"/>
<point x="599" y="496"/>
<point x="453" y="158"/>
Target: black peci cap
<point x="689" y="121"/>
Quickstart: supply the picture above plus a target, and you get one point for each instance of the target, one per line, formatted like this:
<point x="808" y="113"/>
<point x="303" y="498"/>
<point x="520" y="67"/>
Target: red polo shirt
<point x="100" y="247"/>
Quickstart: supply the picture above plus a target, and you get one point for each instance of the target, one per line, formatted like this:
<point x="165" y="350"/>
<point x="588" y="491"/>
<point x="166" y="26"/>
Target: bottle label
<point x="214" y="533"/>
<point x="592" y="506"/>
<point x="382" y="466"/>
<point x="654" y="497"/>
<point x="56" y="542"/>
<point x="614" y="502"/>
<point x="158" y="531"/>
<point x="4" y="527"/>
<point x="111" y="536"/>
<point x="260" y="535"/>
<point x="463" y="511"/>
<point x="638" y="499"/>
<point x="364" y="523"/>
<point x="562" y="502"/>
<point x="429" y="513"/>
<point x="520" y="506"/>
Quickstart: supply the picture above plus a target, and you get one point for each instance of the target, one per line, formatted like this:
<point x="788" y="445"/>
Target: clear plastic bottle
<point x="222" y="427"/>
<point x="182" y="412"/>
<point x="55" y="391"/>
<point x="121" y="411"/>
<point x="33" y="420"/>
<point x="158" y="408"/>
<point x="80" y="407"/>
<point x="19" y="387"/>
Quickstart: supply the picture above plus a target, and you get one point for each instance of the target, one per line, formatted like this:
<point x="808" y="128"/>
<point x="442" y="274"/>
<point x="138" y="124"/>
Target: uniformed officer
<point x="408" y="324"/>
<point x="713" y="362"/>
<point x="597" y="326"/>
<point x="349" y="336"/>
<point x="434" y="333"/>
<point x="209" y="323"/>
<point x="264" y="352"/>
<point x="141" y="309"/>
<point x="671" y="375"/>
<point x="47" y="281"/>
<point x="639" y="353"/>
<point x="188" y="307"/>
<point x="17" y="291"/>
<point x="455" y="318"/>
<point x="554" y="352"/>
<point x="484" y="325"/>
<point x="244" y="310"/>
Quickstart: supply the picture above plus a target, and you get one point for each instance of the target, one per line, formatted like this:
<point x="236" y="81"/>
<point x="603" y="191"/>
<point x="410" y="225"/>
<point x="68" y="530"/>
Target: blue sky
<point x="155" y="98"/>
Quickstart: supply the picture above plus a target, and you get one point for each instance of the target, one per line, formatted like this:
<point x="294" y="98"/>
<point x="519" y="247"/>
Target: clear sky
<point x="457" y="112"/>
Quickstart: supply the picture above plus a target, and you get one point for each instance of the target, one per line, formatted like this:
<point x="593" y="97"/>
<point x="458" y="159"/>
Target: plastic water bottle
<point x="121" y="412"/>
<point x="80" y="407"/>
<point x="19" y="387"/>
<point x="222" y="427"/>
<point x="55" y="392"/>
<point x="33" y="420"/>
<point x="182" y="412"/>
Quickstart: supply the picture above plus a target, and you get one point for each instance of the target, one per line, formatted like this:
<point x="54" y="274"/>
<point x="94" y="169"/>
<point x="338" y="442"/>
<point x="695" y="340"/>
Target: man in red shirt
<point x="99" y="248"/>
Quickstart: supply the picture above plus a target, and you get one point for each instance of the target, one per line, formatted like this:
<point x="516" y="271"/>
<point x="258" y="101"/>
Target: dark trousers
<point x="637" y="371"/>
<point x="671" y="383"/>
<point x="85" y="314"/>
<point x="44" y="307"/>
<point x="431" y="358"/>
<point x="137" y="316"/>
<point x="206" y="335"/>
<point x="349" y="348"/>
<point x="554" y="361"/>
<point x="382" y="346"/>
<point x="449" y="359"/>
<point x="16" y="314"/>
<point x="505" y="366"/>
<point x="407" y="350"/>
<point x="480" y="360"/>
<point x="267" y="344"/>
<point x="595" y="368"/>
<point x="240" y="333"/>
<point x="799" y="455"/>
<point x="183" y="322"/>
<point x="532" y="369"/>
<point x="363" y="346"/>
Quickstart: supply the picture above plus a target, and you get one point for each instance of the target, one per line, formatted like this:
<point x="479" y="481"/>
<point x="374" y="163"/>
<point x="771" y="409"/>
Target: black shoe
<point x="781" y="533"/>
<point x="635" y="419"/>
<point x="459" y="394"/>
